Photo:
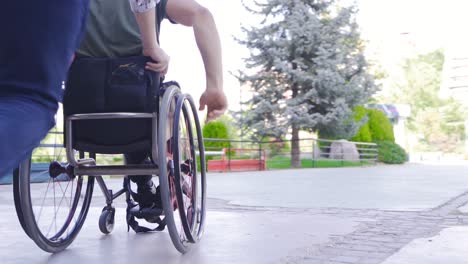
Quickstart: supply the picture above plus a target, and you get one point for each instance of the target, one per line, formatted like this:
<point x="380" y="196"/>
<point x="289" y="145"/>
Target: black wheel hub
<point x="56" y="169"/>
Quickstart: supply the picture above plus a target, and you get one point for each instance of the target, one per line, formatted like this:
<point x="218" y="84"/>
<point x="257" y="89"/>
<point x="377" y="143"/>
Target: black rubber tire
<point x="193" y="214"/>
<point x="166" y="111"/>
<point x="106" y="220"/>
<point x="17" y="197"/>
<point x="70" y="228"/>
<point x="201" y="179"/>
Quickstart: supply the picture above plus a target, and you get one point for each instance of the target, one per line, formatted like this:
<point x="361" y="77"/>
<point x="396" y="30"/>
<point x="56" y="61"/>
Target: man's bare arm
<point x="192" y="14"/>
<point x="145" y="15"/>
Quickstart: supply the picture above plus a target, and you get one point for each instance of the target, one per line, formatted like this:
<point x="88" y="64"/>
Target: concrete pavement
<point x="449" y="246"/>
<point x="381" y="214"/>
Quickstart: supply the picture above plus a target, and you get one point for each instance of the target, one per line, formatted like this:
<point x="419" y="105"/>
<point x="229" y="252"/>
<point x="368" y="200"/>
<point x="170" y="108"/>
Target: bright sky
<point x="387" y="25"/>
<point x="427" y="24"/>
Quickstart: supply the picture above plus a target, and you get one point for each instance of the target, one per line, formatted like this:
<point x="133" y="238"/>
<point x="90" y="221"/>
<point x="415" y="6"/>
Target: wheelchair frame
<point x="80" y="165"/>
<point x="88" y="167"/>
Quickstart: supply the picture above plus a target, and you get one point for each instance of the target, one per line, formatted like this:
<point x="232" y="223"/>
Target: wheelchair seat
<point x="109" y="85"/>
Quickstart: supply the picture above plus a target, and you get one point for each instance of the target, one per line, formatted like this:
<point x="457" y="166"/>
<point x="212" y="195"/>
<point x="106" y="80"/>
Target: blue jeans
<point x="38" y="39"/>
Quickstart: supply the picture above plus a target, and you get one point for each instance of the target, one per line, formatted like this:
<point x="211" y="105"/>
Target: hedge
<point x="380" y="127"/>
<point x="215" y="129"/>
<point x="391" y="153"/>
<point x="364" y="133"/>
<point x="377" y="128"/>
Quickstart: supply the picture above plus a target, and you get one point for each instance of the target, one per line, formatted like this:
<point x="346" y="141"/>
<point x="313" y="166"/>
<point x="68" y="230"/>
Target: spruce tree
<point x="306" y="70"/>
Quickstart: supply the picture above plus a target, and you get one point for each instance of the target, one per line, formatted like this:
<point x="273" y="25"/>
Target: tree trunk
<point x="295" y="148"/>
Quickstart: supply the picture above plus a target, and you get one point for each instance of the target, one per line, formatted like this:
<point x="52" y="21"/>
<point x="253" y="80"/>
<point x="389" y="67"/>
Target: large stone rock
<point x="317" y="152"/>
<point x="344" y="150"/>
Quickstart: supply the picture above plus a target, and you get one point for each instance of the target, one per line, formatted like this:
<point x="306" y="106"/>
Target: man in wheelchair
<point x="115" y="103"/>
<point x="112" y="32"/>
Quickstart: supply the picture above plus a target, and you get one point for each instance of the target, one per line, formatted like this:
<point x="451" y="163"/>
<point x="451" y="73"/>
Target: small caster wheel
<point x="106" y="220"/>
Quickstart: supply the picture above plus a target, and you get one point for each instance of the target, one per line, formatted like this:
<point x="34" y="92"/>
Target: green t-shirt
<point x="112" y="30"/>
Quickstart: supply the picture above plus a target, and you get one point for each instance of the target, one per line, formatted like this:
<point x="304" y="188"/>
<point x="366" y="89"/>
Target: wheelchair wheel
<point x="184" y="210"/>
<point x="106" y="220"/>
<point x="189" y="182"/>
<point x="53" y="202"/>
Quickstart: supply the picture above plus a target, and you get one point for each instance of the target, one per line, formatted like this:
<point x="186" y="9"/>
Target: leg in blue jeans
<point x="23" y="124"/>
<point x="38" y="39"/>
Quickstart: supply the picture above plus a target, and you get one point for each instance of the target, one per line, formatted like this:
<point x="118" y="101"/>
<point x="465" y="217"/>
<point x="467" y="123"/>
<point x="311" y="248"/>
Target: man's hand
<point x="216" y="102"/>
<point x="160" y="57"/>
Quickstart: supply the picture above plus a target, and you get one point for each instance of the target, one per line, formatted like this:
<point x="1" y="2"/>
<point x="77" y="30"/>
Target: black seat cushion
<point x="105" y="85"/>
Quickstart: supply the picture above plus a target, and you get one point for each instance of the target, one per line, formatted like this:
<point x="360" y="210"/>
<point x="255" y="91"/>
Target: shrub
<point x="276" y="146"/>
<point x="218" y="130"/>
<point x="364" y="133"/>
<point x="381" y="129"/>
<point x="391" y="153"/>
<point x="232" y="127"/>
<point x="215" y="129"/>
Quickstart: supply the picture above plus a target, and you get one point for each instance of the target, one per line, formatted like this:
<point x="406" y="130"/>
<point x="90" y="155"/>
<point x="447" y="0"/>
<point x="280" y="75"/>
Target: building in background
<point x="455" y="74"/>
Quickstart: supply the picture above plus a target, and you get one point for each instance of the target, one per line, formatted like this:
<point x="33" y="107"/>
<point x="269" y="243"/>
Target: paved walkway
<point x="383" y="214"/>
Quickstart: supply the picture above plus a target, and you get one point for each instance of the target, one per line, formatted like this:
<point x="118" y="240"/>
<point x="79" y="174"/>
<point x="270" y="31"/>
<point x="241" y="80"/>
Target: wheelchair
<point x="122" y="108"/>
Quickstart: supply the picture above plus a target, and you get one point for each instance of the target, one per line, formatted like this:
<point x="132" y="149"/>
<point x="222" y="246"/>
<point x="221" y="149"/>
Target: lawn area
<point x="281" y="162"/>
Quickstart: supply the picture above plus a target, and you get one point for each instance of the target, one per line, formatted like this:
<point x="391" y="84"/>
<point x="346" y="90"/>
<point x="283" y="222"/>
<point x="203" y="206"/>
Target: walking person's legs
<point x="38" y="39"/>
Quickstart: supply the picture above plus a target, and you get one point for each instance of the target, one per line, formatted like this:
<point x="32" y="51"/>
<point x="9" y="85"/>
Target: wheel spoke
<point x="43" y="201"/>
<point x="64" y="192"/>
<point x="55" y="215"/>
<point x="63" y="197"/>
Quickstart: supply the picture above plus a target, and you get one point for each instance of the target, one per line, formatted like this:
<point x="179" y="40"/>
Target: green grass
<point x="280" y="162"/>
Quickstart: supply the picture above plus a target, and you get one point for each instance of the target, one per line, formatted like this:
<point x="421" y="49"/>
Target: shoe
<point x="149" y="196"/>
<point x="185" y="167"/>
<point x="186" y="177"/>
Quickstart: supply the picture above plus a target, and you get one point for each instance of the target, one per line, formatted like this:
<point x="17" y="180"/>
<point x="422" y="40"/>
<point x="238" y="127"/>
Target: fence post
<point x="342" y="156"/>
<point x="313" y="153"/>
<point x="260" y="156"/>
<point x="205" y="156"/>
<point x="229" y="155"/>
<point x="364" y="149"/>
